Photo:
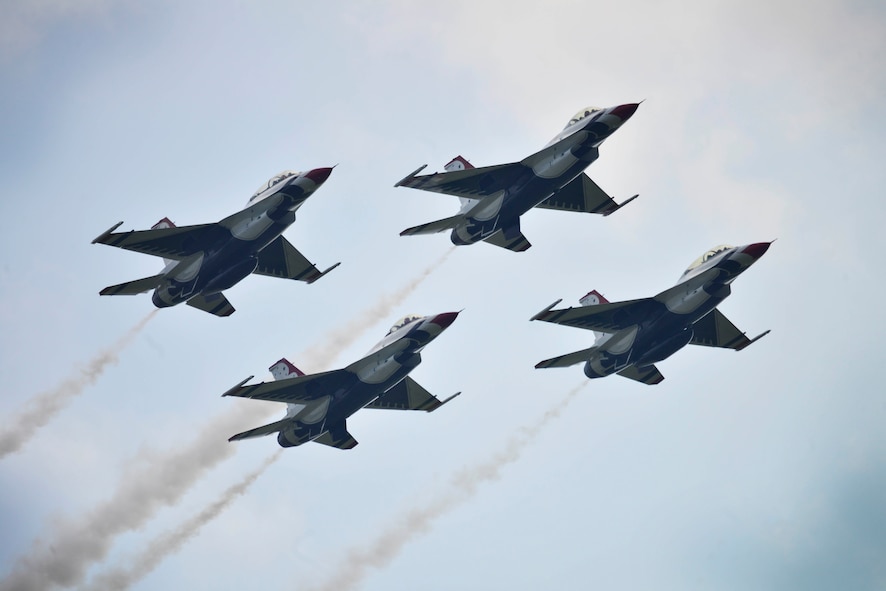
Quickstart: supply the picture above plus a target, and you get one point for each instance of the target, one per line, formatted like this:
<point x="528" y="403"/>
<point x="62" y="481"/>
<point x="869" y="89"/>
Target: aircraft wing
<point x="169" y="243"/>
<point x="214" y="304"/>
<point x="715" y="330"/>
<point x="337" y="436"/>
<point x="648" y="375"/>
<point x="281" y="259"/>
<point x="408" y="395"/>
<point x="300" y="389"/>
<point x="603" y="317"/>
<point x="583" y="195"/>
<point x="262" y="431"/>
<point x="518" y="243"/>
<point x="474" y="183"/>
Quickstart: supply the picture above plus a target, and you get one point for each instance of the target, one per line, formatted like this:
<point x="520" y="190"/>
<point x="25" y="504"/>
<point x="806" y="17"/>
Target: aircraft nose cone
<point x="757" y="249"/>
<point x="319" y="175"/>
<point x="445" y="319"/>
<point x="625" y="111"/>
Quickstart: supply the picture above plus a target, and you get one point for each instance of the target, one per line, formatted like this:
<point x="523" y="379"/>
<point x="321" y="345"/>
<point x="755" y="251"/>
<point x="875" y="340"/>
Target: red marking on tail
<point x="458" y="163"/>
<point x="164" y="223"/>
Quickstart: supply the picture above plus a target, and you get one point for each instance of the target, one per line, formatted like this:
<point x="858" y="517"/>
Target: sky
<point x="761" y="469"/>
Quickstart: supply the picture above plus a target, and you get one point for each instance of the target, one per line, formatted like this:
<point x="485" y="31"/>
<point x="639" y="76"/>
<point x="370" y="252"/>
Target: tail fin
<point x="164" y="223"/>
<point x="283" y="369"/>
<point x="459" y="163"/>
<point x="594" y="298"/>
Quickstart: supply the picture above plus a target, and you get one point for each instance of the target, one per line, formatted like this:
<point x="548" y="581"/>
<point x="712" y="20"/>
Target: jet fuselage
<point x="385" y="366"/>
<point x="233" y="255"/>
<point x="669" y="327"/>
<point x="546" y="172"/>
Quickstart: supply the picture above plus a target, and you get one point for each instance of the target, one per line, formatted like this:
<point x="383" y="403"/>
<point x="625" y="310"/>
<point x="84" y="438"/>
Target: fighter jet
<point x="632" y="336"/>
<point x="203" y="260"/>
<point x="494" y="197"/>
<point x="318" y="405"/>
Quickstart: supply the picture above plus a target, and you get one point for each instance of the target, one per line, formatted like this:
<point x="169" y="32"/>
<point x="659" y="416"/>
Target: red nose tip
<point x="624" y="112"/>
<point x="757" y="249"/>
<point x="319" y="175"/>
<point x="445" y="319"/>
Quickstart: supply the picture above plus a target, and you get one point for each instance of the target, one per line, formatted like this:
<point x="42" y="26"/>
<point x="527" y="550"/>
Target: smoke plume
<point x="158" y="479"/>
<point x="463" y="486"/>
<point x="345" y="336"/>
<point x="44" y="406"/>
<point x="171" y="541"/>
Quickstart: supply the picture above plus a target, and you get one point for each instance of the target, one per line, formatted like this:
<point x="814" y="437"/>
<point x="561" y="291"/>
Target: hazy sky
<point x="764" y="469"/>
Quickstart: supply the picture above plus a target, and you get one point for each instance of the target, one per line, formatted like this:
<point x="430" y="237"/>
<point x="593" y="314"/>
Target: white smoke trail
<point x="160" y="479"/>
<point x="418" y="520"/>
<point x="171" y="541"/>
<point x="44" y="406"/>
<point x="345" y="336"/>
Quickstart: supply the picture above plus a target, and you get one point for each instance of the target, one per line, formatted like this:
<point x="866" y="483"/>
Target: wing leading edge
<point x="602" y="317"/>
<point x="174" y="243"/>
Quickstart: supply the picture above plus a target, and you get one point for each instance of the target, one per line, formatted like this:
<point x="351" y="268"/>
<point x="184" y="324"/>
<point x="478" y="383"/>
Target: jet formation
<point x="494" y="197"/>
<point x="203" y="260"/>
<point x="318" y="405"/>
<point x="632" y="336"/>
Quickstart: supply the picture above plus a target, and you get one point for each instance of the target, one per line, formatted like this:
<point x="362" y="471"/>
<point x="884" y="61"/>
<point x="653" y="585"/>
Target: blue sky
<point x="761" y="469"/>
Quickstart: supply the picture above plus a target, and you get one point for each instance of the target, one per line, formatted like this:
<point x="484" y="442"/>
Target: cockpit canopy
<point x="586" y="112"/>
<point x="273" y="181"/>
<point x="717" y="250"/>
<point x="404" y="321"/>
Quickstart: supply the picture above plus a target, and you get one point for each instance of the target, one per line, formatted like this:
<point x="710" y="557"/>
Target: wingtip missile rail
<point x="545" y="311"/>
<point x="235" y="388"/>
<point x="411" y="175"/>
<point x="104" y="235"/>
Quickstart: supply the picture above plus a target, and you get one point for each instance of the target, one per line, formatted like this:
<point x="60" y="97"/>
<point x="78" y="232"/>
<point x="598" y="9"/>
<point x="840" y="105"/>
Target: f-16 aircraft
<point x="494" y="197"/>
<point x="632" y="336"/>
<point x="203" y="260"/>
<point x="318" y="405"/>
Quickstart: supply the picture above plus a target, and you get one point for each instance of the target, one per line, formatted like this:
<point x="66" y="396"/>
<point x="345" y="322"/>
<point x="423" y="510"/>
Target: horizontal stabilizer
<point x="648" y="375"/>
<point x="338" y="436"/>
<point x="214" y="304"/>
<point x="134" y="287"/>
<point x="262" y="431"/>
<point x="517" y="243"/>
<point x="566" y="360"/>
<point x="434" y="227"/>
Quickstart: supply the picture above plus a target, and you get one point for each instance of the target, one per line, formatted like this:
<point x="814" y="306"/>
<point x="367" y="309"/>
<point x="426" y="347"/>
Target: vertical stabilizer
<point x="283" y="369"/>
<point x="595" y="298"/>
<point x="459" y="163"/>
<point x="161" y="225"/>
